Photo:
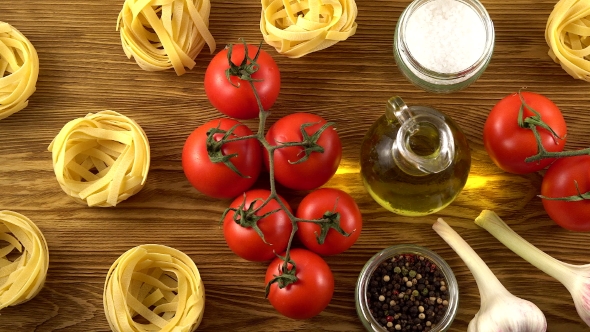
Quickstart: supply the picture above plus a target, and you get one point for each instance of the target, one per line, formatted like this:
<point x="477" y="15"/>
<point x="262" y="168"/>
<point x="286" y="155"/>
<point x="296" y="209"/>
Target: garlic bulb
<point x="500" y="311"/>
<point x="506" y="312"/>
<point x="576" y="278"/>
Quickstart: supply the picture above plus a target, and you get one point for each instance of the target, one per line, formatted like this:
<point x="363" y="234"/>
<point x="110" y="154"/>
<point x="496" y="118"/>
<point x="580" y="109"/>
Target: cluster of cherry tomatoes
<point x="244" y="154"/>
<point x="509" y="143"/>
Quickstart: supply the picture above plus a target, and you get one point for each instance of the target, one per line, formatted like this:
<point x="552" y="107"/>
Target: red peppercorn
<point x="390" y="318"/>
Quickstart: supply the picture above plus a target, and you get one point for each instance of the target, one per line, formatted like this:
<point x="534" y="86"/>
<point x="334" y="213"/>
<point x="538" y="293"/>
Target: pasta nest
<point x="164" y="34"/>
<point x="19" y="70"/>
<point x="298" y="27"/>
<point x="101" y="159"/>
<point x="154" y="288"/>
<point x="568" y="35"/>
<point x="22" y="278"/>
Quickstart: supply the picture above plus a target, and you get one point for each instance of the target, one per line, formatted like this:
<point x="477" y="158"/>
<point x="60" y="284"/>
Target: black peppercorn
<point x="406" y="293"/>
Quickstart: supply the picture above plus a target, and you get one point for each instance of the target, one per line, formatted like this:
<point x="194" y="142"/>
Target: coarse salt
<point x="445" y="36"/>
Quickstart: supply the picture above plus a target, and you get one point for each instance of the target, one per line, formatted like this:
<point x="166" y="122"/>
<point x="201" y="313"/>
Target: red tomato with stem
<point x="217" y="179"/>
<point x="322" y="203"/>
<point x="311" y="172"/>
<point x="236" y="98"/>
<point x="310" y="294"/>
<point x="560" y="181"/>
<point x="509" y="145"/>
<point x="276" y="227"/>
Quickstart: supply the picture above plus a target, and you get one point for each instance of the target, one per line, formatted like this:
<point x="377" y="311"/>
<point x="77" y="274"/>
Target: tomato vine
<point x="246" y="217"/>
<point x="532" y="122"/>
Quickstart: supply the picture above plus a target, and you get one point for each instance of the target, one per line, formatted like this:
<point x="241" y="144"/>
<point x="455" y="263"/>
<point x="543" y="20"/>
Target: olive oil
<point x="420" y="191"/>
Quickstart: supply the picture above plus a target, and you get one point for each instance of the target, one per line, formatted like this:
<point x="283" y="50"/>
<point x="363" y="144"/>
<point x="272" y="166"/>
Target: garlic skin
<point x="580" y="289"/>
<point x="500" y="311"/>
<point x="508" y="313"/>
<point x="576" y="278"/>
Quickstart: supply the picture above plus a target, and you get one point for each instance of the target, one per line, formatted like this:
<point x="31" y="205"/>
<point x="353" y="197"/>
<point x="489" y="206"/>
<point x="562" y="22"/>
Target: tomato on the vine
<point x="236" y="98"/>
<point x="560" y="181"/>
<point x="292" y="168"/>
<point x="217" y="179"/>
<point x="310" y="294"/>
<point x="509" y="145"/>
<point x="323" y="202"/>
<point x="245" y="241"/>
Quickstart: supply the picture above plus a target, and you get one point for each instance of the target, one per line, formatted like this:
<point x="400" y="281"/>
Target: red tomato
<point x="318" y="168"/>
<point x="509" y="145"/>
<point x="559" y="181"/>
<point x="314" y="206"/>
<point x="238" y="100"/>
<point x="217" y="179"/>
<point x="244" y="241"/>
<point x="310" y="294"/>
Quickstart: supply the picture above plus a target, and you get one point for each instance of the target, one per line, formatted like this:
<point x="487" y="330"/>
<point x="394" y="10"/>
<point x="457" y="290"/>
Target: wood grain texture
<point x="83" y="69"/>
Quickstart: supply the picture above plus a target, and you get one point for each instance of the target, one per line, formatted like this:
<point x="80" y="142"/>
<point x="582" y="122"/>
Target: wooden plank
<point x="83" y="69"/>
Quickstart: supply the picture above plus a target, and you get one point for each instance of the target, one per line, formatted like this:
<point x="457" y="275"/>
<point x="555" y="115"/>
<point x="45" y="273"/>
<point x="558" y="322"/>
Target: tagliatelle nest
<point x="19" y="70"/>
<point x="568" y="35"/>
<point x="164" y="34"/>
<point x="154" y="288"/>
<point x="21" y="278"/>
<point x="298" y="27"/>
<point x="101" y="159"/>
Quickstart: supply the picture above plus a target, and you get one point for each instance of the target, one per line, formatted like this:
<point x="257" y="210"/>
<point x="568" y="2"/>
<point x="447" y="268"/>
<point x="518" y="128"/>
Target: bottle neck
<point x="424" y="143"/>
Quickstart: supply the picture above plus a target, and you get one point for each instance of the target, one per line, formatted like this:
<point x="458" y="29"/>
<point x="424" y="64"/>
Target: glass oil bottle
<point x="414" y="160"/>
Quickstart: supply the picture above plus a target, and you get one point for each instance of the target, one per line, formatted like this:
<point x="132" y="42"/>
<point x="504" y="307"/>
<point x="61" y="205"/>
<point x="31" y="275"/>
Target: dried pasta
<point x="568" y="35"/>
<point x="101" y="159"/>
<point x="299" y="27"/>
<point x="164" y="34"/>
<point x="154" y="288"/>
<point x="22" y="278"/>
<point x="19" y="70"/>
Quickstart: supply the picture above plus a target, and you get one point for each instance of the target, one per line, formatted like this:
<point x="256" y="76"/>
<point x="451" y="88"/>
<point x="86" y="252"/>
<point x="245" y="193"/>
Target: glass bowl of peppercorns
<point x="407" y="288"/>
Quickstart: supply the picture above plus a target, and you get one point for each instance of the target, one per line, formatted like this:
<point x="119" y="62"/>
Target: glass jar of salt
<point x="443" y="45"/>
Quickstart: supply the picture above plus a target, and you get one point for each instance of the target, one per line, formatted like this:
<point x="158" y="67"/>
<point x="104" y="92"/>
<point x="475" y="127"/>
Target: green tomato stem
<point x="270" y="149"/>
<point x="543" y="153"/>
<point x="534" y="121"/>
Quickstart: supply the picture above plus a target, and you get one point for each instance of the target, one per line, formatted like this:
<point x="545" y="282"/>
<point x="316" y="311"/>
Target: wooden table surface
<point x="83" y="69"/>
